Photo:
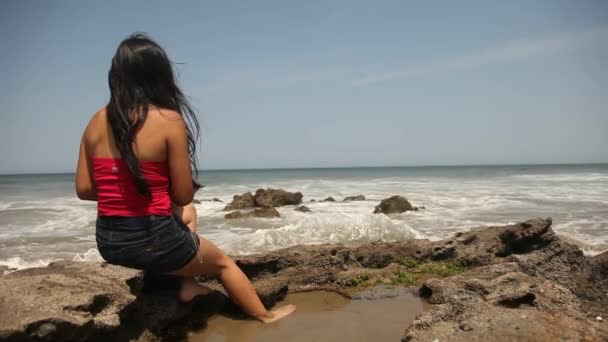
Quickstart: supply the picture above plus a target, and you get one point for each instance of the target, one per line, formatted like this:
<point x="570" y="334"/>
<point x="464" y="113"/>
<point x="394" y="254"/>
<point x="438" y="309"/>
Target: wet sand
<point x="381" y="314"/>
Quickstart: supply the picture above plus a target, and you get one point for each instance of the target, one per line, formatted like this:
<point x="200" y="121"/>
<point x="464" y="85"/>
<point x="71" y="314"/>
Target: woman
<point x="136" y="160"/>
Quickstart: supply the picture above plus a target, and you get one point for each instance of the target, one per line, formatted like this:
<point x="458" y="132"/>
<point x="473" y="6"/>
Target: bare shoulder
<point x="96" y="123"/>
<point x="166" y="117"/>
<point x="165" y="114"/>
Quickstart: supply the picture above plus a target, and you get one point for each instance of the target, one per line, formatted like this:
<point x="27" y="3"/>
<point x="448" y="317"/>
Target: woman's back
<point x="160" y="146"/>
<point x="117" y="194"/>
<point x="150" y="141"/>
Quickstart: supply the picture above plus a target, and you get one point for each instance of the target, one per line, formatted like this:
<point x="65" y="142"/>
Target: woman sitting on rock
<point x="136" y="160"/>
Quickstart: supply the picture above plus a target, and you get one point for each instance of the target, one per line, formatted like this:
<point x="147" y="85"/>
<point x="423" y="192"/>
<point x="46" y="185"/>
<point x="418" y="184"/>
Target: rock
<point x="237" y="214"/>
<point x="276" y="198"/>
<point x="243" y="201"/>
<point x="313" y="200"/>
<point x="82" y="301"/>
<point x="354" y="198"/>
<point x="494" y="300"/>
<point x="517" y="282"/>
<point x="80" y="297"/>
<point x="303" y="209"/>
<point x="195" y="201"/>
<point x="486" y="245"/>
<point x="392" y="205"/>
<point x="266" y="212"/>
<point x="589" y="280"/>
<point x="214" y="199"/>
<point x="329" y="199"/>
<point x="491" y="323"/>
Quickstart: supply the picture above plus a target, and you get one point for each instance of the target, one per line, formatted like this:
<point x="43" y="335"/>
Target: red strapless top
<point x="117" y="194"/>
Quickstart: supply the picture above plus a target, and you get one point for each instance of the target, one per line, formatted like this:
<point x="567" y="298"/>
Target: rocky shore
<point x="506" y="283"/>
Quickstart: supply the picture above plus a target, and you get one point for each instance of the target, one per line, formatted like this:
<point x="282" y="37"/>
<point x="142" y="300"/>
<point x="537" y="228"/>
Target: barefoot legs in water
<point x="214" y="262"/>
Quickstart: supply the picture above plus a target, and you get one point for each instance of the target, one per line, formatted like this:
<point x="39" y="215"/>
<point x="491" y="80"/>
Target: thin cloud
<point x="506" y="53"/>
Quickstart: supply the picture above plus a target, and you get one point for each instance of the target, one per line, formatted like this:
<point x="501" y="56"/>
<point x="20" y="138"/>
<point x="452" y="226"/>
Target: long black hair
<point x="141" y="75"/>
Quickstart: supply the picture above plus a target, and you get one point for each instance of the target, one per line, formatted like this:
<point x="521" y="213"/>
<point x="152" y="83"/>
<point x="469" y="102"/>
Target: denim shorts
<point x="156" y="244"/>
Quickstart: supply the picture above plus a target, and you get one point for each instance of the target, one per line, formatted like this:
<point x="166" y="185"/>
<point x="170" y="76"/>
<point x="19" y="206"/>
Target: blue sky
<point x="322" y="83"/>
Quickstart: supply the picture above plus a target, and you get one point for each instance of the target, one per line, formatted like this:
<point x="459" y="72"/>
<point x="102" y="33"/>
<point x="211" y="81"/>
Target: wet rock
<point x="266" y="212"/>
<point x="393" y="205"/>
<point x="214" y="199"/>
<point x="237" y="214"/>
<point x="276" y="198"/>
<point x="243" y="201"/>
<point x="196" y="201"/>
<point x="354" y="198"/>
<point x="328" y="199"/>
<point x="303" y="209"/>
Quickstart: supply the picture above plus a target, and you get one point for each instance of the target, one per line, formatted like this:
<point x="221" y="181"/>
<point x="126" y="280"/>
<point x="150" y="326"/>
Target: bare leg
<point x="190" y="288"/>
<point x="238" y="287"/>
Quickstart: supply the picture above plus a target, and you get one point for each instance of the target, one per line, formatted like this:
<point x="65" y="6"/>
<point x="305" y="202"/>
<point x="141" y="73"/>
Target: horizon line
<point x="346" y="167"/>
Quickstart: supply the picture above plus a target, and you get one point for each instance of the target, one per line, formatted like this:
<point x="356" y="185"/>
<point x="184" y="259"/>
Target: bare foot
<point x="277" y="314"/>
<point x="191" y="288"/>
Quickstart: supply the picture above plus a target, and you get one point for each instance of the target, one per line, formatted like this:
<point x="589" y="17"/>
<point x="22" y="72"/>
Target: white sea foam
<point x="18" y="263"/>
<point x="566" y="177"/>
<point x="88" y="256"/>
<point x="37" y="228"/>
<point x="319" y="228"/>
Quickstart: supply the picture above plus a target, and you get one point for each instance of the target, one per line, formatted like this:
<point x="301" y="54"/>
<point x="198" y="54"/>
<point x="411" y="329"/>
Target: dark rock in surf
<point x="393" y="205"/>
<point x="329" y="199"/>
<point x="243" y="201"/>
<point x="354" y="198"/>
<point x="276" y="198"/>
<point x="215" y="199"/>
<point x="265" y="212"/>
<point x="195" y="201"/>
<point x="303" y="209"/>
<point x="237" y="214"/>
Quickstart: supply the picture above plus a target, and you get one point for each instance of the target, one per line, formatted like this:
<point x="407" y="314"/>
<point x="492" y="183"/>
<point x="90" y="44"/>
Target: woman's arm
<point x="180" y="172"/>
<point x="85" y="186"/>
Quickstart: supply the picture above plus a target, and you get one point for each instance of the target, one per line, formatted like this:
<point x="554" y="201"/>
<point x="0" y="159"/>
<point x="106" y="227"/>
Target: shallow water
<point x="379" y="315"/>
<point x="41" y="220"/>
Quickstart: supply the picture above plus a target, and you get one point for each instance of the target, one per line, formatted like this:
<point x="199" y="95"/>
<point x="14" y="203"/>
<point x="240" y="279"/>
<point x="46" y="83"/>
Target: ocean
<point x="42" y="220"/>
